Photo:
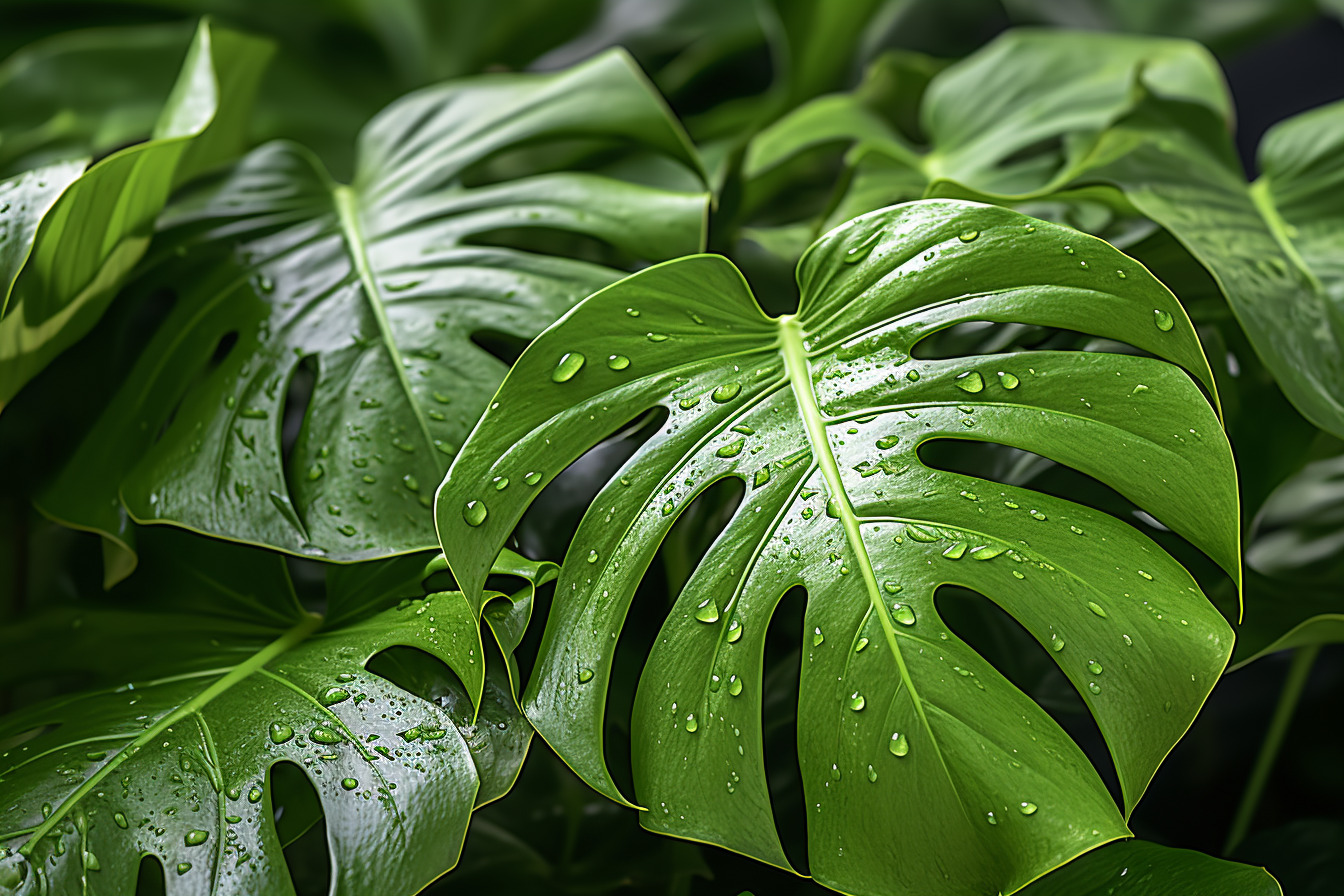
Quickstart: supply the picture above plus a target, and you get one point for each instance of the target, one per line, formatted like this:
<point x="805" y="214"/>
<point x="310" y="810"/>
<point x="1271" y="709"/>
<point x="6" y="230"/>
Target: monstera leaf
<point x="1139" y="868"/>
<point x="218" y="687"/>
<point x="1085" y="115"/>
<point x="373" y="292"/>
<point x="924" y="769"/>
<point x="72" y="251"/>
<point x="1055" y="90"/>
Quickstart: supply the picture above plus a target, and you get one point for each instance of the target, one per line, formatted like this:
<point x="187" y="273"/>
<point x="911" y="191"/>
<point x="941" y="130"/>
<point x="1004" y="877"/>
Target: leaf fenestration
<point x="908" y="740"/>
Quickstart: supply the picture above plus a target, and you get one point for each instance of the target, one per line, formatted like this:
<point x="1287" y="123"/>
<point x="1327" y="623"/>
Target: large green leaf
<point x="1052" y="91"/>
<point x="78" y="248"/>
<point x="1139" y="868"/>
<point x="924" y="769"/>
<point x="215" y="678"/>
<point x="381" y="285"/>
<point x="1150" y="117"/>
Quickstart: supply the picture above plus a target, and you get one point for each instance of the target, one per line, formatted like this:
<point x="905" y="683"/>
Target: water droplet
<point x="1094" y="687"/>
<point x="968" y="236"/>
<point x="1038" y="516"/>
<point x="859" y="251"/>
<point x="1068" y="250"/>
<point x="835" y="772"/>
<point x="955" y="551"/>
<point x="912" y="375"/>
<point x="862" y="643"/>
<point x="333" y="695"/>
<point x="726" y="392"/>
<point x="632" y="312"/>
<point x="872" y="774"/>
<point x="349" y="783"/>
<point x="989" y="817"/>
<point x="569" y="364"/>
<point x="732" y="449"/>
<point x="281" y="733"/>
<point x="1008" y="380"/>
<point x="1163" y="319"/>
<point x="971" y="381"/>
<point x="903" y="614"/>
<point x="856" y="701"/>
<point x="474" y="513"/>
<point x="411" y="483"/>
<point x="734" y="631"/>
<point x="1096" y="608"/>
<point x="1026" y="808"/>
<point x="691" y="724"/>
<point x="196" y="838"/>
<point x="254" y="795"/>
<point x="585" y="675"/>
<point x="817" y="637"/>
<point x="898" y="746"/>
<point x="656" y="337"/>
<point x="1146" y="575"/>
<point x="532" y="478"/>
<point x="320" y="735"/>
<point x="183" y="867"/>
<point x="761" y="478"/>
<point x="1094" y="667"/>
<point x="708" y="611"/>
<point x="668" y="508"/>
<point x="618" y="362"/>
<point x="888" y="442"/>
<point x="1056" y="643"/>
<point x="734" y="685"/>
<point x="120" y="819"/>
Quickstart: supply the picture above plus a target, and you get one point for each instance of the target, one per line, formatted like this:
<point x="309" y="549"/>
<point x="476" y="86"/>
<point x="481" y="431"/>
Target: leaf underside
<point x="908" y="740"/>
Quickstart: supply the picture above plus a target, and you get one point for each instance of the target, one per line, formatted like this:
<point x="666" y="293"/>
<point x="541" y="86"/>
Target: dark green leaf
<point x="90" y="237"/>
<point x="924" y="770"/>
<point x="1139" y="868"/>
<point x="219" y="683"/>
<point x="381" y="286"/>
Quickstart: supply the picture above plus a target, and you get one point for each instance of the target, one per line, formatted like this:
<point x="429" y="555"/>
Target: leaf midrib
<point x="347" y="212"/>
<point x="238" y="673"/>
<point x="794" y="355"/>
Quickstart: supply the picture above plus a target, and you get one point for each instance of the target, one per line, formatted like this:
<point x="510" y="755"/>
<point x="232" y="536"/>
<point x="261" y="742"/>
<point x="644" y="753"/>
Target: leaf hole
<point x="149" y="877"/>
<point x="301" y="828"/>
<point x="779" y="723"/>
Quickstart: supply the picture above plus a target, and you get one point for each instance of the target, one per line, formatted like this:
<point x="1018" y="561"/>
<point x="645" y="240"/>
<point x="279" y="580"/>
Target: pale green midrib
<point x="237" y="674"/>
<point x="800" y="379"/>
<point x="346" y="210"/>
<point x="1264" y="204"/>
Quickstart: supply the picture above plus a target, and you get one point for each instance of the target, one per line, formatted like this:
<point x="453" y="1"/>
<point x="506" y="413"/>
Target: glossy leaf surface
<point x="219" y="685"/>
<point x="924" y="769"/>
<point x="1140" y="868"/>
<point x="384" y="291"/>
<point x="79" y="248"/>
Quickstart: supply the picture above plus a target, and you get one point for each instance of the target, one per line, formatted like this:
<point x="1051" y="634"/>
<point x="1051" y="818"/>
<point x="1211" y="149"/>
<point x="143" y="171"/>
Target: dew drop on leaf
<point x="474" y="513"/>
<point x="281" y="733"/>
<point x="971" y="381"/>
<point x="1163" y="319"/>
<point x="618" y="362"/>
<point x="1008" y="380"/>
<point x="569" y="364"/>
<point x="349" y="783"/>
<point x="1026" y="808"/>
<point x="903" y="614"/>
<point x="708" y="611"/>
<point x="898" y="746"/>
<point x="195" y="838"/>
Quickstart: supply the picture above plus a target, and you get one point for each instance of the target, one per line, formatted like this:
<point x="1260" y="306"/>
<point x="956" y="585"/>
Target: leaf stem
<point x="1298" y="673"/>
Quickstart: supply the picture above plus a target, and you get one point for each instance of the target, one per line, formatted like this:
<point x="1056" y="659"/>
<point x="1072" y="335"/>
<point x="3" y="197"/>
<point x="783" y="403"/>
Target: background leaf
<point x="384" y="306"/>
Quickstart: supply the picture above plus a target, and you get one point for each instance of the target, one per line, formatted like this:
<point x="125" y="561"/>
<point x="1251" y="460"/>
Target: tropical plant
<point x="874" y="455"/>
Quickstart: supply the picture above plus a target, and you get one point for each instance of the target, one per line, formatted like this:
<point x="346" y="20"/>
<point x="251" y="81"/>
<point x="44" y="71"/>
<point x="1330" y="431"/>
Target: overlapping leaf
<point x="71" y="251"/>
<point x="379" y="286"/>
<point x="924" y="769"/>
<point x="1151" y="117"/>
<point x="219" y="684"/>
